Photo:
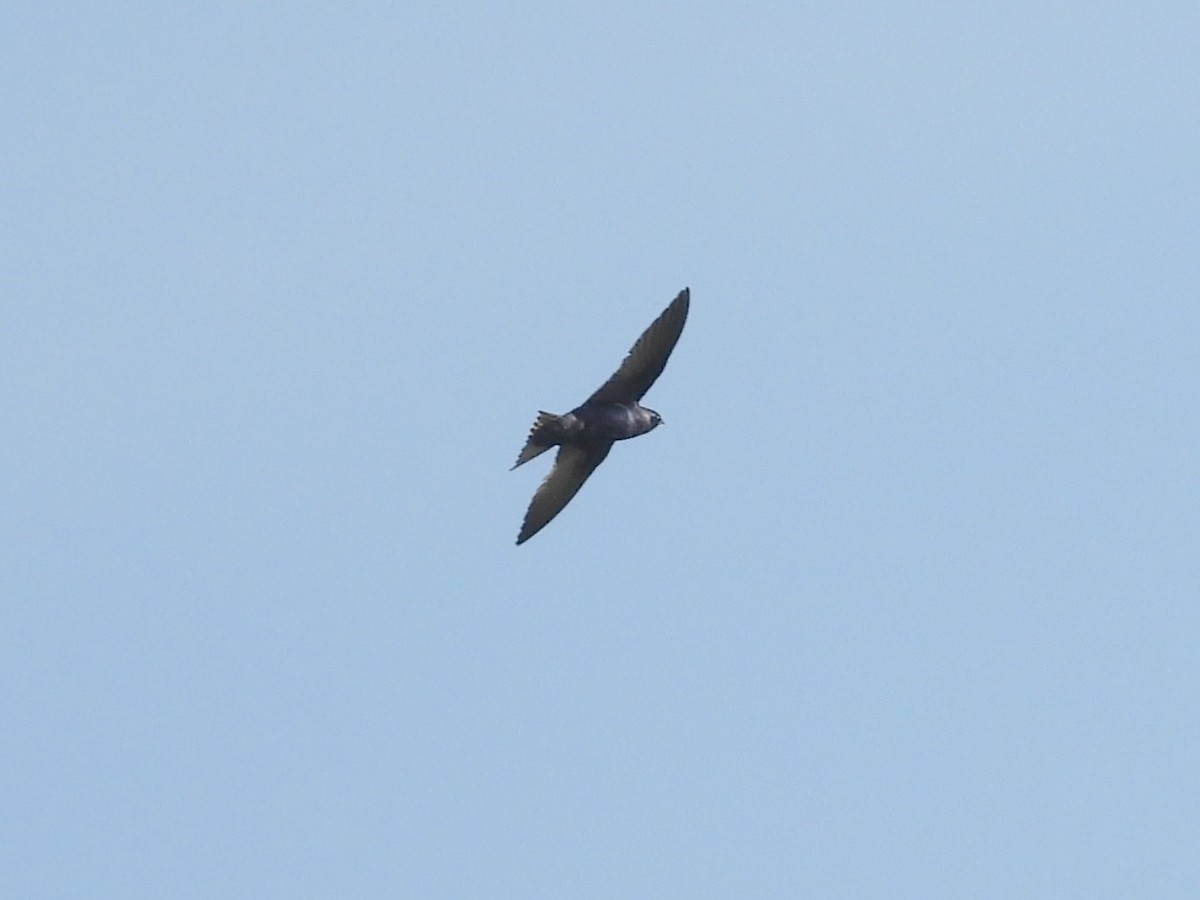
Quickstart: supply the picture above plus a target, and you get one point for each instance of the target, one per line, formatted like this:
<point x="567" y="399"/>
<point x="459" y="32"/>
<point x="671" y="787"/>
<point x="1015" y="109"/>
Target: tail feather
<point x="542" y="436"/>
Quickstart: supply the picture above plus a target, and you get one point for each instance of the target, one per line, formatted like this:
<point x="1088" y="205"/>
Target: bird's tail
<point x="545" y="433"/>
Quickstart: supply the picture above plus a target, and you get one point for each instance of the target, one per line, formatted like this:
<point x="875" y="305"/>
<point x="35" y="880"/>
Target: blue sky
<point x="901" y="601"/>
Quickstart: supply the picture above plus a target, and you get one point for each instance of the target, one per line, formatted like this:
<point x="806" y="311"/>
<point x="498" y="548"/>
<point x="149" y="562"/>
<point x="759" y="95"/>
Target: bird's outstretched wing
<point x="571" y="469"/>
<point x="646" y="360"/>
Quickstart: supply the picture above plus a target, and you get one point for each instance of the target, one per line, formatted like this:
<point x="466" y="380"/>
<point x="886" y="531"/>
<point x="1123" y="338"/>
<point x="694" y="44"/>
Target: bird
<point x="586" y="434"/>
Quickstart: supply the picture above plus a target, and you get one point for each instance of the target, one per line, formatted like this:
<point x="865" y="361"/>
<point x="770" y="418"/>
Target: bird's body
<point x="613" y="421"/>
<point x="585" y="435"/>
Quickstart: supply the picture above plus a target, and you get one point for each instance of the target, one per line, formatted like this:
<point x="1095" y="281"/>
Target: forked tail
<point x="545" y="433"/>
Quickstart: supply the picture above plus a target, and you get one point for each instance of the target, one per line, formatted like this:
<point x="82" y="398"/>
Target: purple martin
<point x="586" y="434"/>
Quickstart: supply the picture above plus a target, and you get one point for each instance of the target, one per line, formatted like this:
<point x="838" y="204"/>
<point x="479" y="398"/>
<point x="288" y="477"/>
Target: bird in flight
<point x="586" y="434"/>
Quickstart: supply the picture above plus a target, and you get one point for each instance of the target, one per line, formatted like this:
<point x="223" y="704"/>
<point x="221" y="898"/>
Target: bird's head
<point x="655" y="419"/>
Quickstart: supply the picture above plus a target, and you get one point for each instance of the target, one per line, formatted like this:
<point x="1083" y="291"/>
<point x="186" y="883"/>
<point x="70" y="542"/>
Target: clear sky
<point x="901" y="601"/>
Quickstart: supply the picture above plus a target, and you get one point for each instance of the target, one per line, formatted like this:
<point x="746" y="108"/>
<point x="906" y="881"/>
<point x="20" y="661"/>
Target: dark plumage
<point x="586" y="434"/>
